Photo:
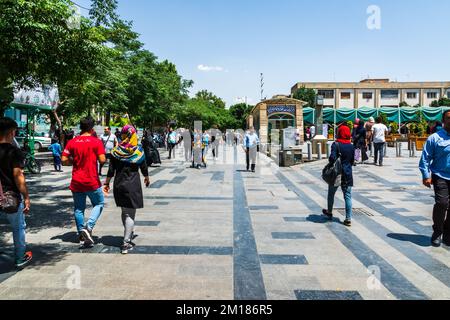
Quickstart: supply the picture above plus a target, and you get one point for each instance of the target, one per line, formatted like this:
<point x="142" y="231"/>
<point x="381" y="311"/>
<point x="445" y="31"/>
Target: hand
<point x="147" y="181"/>
<point x="428" y="183"/>
<point x="106" y="189"/>
<point x="26" y="208"/>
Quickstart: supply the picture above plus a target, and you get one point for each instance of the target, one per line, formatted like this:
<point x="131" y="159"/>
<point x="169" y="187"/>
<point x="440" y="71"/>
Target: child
<point x="56" y="149"/>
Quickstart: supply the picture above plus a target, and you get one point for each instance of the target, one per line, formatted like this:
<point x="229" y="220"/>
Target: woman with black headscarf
<point x="360" y="143"/>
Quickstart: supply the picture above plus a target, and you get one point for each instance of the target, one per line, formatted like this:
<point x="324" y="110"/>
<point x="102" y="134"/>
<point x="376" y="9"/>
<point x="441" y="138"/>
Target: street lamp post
<point x="319" y="120"/>
<point x="320" y="137"/>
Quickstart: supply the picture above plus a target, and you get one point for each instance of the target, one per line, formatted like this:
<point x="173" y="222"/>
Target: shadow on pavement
<point x="315" y="218"/>
<point x="420" y="240"/>
<point x="43" y="255"/>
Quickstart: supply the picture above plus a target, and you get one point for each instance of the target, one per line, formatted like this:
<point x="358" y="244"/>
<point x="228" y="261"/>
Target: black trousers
<point x="441" y="212"/>
<point x="171" y="148"/>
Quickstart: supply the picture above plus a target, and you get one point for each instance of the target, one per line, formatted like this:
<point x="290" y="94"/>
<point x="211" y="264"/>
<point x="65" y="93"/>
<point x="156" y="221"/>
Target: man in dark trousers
<point x="436" y="171"/>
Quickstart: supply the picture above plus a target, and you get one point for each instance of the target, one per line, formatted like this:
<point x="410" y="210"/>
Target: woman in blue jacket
<point x="343" y="147"/>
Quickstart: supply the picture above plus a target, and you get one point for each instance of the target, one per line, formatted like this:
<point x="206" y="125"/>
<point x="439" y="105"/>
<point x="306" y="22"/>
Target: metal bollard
<point x="309" y="151"/>
<point x="328" y="150"/>
<point x="319" y="151"/>
<point x="372" y="146"/>
<point x="396" y="150"/>
<point x="399" y="149"/>
<point x="385" y="150"/>
<point x="413" y="149"/>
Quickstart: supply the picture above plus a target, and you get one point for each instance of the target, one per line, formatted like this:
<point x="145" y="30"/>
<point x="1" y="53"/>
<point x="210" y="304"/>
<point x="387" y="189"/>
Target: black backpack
<point x="333" y="171"/>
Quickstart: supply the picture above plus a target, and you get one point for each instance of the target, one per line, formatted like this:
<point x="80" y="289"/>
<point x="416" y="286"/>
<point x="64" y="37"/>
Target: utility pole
<point x="262" y="86"/>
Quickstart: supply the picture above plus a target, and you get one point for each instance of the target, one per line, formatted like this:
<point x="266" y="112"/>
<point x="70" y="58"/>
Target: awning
<point x="398" y="115"/>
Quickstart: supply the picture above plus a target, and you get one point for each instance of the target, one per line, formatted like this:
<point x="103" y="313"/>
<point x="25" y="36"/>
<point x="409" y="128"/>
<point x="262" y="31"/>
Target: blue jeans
<point x="57" y="162"/>
<point x="98" y="202"/>
<point x="379" y="151"/>
<point x="17" y="221"/>
<point x="347" y="197"/>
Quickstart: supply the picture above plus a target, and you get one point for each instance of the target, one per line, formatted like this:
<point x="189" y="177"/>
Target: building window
<point x="327" y="94"/>
<point x="431" y="95"/>
<point x="367" y="95"/>
<point x="411" y="95"/>
<point x="346" y="95"/>
<point x="448" y="94"/>
<point x="389" y="94"/>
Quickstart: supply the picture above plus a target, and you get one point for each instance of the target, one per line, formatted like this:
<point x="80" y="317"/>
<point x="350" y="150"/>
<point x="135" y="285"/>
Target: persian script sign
<point x="281" y="109"/>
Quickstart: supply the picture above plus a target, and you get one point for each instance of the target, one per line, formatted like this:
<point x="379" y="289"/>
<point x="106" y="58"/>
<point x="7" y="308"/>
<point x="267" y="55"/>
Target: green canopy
<point x="31" y="107"/>
<point x="309" y="115"/>
<point x="432" y="114"/>
<point x="398" y="115"/>
<point x="365" y="113"/>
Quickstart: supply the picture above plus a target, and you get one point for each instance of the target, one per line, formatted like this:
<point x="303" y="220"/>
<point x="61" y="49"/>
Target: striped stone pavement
<point x="223" y="233"/>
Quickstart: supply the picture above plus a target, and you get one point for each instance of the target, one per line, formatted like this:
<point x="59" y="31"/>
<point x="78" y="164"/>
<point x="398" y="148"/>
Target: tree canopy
<point x="307" y="95"/>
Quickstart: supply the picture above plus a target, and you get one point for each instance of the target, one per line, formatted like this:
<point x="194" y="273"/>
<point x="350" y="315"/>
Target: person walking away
<point x="251" y="148"/>
<point x="379" y="140"/>
<point x="197" y="149"/>
<point x="436" y="171"/>
<point x="369" y="133"/>
<point x="172" y="142"/>
<point x="359" y="142"/>
<point x="109" y="142"/>
<point x="127" y="159"/>
<point x="206" y="141"/>
<point x="146" y="147"/>
<point x="312" y="130"/>
<point x="56" y="150"/>
<point x="84" y="152"/>
<point x="343" y="149"/>
<point x="12" y="182"/>
<point x="215" y="140"/>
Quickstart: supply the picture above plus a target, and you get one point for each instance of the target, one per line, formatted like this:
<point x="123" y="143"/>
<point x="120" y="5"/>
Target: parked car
<point x="40" y="142"/>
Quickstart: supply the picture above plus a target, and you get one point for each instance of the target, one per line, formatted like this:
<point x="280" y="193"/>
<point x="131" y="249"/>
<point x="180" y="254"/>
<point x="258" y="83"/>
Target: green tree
<point x="404" y="104"/>
<point x="103" y="12"/>
<point x="307" y="95"/>
<point x="442" y="102"/>
<point x="240" y="112"/>
<point x="40" y="46"/>
<point x="214" y="101"/>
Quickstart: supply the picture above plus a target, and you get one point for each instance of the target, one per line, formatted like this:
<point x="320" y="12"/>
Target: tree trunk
<point x="60" y="126"/>
<point x="108" y="118"/>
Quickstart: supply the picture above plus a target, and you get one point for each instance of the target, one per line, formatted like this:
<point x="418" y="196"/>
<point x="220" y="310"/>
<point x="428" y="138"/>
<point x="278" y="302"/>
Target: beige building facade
<point x="377" y="93"/>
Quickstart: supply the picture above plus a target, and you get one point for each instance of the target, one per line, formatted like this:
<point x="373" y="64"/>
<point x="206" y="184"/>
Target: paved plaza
<point x="223" y="233"/>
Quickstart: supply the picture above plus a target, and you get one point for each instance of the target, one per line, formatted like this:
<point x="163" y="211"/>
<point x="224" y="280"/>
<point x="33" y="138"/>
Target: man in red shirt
<point x="84" y="152"/>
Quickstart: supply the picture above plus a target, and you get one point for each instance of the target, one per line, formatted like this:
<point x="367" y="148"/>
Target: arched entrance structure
<point x="279" y="113"/>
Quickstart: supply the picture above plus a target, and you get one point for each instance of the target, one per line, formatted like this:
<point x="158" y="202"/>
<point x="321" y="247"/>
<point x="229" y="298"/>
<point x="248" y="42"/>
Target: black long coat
<point x="151" y="152"/>
<point x="347" y="159"/>
<point x="127" y="183"/>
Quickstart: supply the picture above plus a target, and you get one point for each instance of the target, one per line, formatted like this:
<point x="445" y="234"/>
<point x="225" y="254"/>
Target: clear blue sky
<point x="233" y="41"/>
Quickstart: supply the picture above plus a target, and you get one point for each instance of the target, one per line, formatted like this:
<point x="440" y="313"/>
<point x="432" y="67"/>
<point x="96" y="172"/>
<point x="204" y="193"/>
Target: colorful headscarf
<point x="344" y="135"/>
<point x="129" y="150"/>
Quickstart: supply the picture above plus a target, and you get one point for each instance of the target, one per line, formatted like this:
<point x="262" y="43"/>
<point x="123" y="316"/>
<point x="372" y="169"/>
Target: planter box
<point x="420" y="143"/>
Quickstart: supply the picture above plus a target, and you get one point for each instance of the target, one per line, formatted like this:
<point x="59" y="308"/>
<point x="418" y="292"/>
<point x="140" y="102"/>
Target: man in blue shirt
<point x="435" y="168"/>
<point x="56" y="149"/>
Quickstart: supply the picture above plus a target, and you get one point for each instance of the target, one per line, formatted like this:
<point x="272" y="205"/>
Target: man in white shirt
<point x="313" y="132"/>
<point x="379" y="131"/>
<point x="251" y="143"/>
<point x="109" y="142"/>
